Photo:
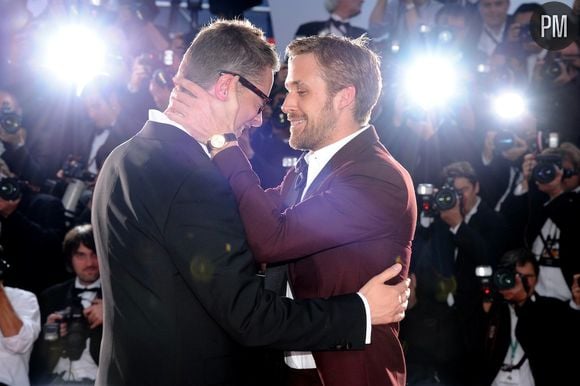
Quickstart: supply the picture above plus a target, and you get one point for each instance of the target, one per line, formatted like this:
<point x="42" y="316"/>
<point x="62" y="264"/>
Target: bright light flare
<point x="431" y="81"/>
<point x="75" y="54"/>
<point x="509" y="105"/>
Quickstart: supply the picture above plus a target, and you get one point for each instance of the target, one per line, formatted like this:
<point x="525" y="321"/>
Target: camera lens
<point x="504" y="140"/>
<point x="445" y="199"/>
<point x="544" y="173"/>
<point x="9" y="189"/>
<point x="10" y="121"/>
<point x="504" y="279"/>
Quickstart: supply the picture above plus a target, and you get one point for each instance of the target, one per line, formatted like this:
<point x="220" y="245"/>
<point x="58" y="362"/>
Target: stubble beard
<point x="314" y="135"/>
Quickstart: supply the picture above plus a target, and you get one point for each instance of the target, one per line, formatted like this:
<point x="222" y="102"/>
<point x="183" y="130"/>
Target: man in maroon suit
<point x="345" y="216"/>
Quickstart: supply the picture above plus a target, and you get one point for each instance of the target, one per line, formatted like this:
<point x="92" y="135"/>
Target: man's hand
<point x="13" y="139"/>
<point x="576" y="289"/>
<point x="94" y="313"/>
<point x="201" y="113"/>
<point x="56" y="317"/>
<point x="8" y="207"/>
<point x="453" y="216"/>
<point x="387" y="302"/>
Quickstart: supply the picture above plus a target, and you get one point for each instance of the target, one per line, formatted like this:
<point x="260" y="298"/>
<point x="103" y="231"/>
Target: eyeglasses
<point x="250" y="86"/>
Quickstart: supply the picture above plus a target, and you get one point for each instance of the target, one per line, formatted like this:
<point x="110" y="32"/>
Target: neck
<point x="496" y="29"/>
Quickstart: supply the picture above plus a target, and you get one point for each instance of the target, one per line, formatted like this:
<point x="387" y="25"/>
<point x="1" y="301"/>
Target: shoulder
<point x="57" y="289"/>
<point x="21" y="299"/>
<point x="310" y="28"/>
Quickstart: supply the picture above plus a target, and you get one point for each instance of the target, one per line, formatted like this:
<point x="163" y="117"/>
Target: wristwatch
<point x="218" y="141"/>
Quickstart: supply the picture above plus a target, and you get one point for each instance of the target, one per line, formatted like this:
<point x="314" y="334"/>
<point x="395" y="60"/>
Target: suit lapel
<point x="346" y="154"/>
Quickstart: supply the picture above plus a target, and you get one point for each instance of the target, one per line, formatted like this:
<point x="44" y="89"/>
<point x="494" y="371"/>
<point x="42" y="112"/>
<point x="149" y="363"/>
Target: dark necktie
<point x="341" y="26"/>
<point x="78" y="291"/>
<point x="301" y="169"/>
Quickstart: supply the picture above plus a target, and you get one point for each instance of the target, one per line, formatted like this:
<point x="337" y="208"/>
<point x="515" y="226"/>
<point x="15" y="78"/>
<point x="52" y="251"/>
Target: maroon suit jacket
<point x="356" y="219"/>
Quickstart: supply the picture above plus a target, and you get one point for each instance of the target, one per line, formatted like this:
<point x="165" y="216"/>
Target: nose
<point x="257" y="120"/>
<point x="288" y="104"/>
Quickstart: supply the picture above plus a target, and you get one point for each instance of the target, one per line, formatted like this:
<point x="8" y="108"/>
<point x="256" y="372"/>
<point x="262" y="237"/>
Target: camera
<point x="547" y="167"/>
<point x="74" y="343"/>
<point x="436" y="200"/>
<point x="10" y="121"/>
<point x="484" y="273"/>
<point x="504" y="140"/>
<point x="10" y="188"/>
<point x="503" y="278"/>
<point x="74" y="168"/>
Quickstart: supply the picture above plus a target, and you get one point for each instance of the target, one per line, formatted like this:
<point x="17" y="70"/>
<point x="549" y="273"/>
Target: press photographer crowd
<point x="485" y="120"/>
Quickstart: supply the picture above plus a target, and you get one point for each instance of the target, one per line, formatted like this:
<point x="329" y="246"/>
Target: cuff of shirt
<point x="368" y="315"/>
<point x="574" y="306"/>
<point x="455" y="228"/>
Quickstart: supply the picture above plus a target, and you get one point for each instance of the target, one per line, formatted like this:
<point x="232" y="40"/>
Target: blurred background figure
<point x="19" y="328"/>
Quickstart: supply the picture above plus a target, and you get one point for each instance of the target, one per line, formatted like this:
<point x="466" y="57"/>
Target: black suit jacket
<point x="180" y="289"/>
<point x="316" y="27"/>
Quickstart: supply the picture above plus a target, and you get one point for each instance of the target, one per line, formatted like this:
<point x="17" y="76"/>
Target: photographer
<point x="19" y="328"/>
<point x="462" y="233"/>
<point x="31" y="230"/>
<point x="73" y="314"/>
<point x="557" y="89"/>
<point x="520" y="347"/>
<point x="553" y="227"/>
<point x="15" y="147"/>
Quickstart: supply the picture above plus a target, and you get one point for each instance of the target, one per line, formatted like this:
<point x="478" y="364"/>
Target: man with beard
<point x="347" y="210"/>
<point x="181" y="293"/>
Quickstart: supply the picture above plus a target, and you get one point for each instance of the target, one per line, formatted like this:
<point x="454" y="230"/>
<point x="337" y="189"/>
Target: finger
<point x="191" y="87"/>
<point x="388" y="273"/>
<point x="178" y="106"/>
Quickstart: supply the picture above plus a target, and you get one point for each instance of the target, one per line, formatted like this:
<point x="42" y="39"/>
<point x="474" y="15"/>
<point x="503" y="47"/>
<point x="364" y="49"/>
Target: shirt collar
<point x="316" y="160"/>
<point x="160" y="117"/>
<point x="334" y="16"/>
<point x="324" y="154"/>
<point x="95" y="284"/>
<point x="473" y="210"/>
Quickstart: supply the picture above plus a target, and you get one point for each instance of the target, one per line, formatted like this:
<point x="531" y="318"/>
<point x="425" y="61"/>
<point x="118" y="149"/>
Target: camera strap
<point x="508" y="368"/>
<point x="551" y="260"/>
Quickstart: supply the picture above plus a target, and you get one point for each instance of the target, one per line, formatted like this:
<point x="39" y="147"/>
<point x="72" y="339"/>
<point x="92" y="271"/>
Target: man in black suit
<point x="340" y="11"/>
<point x="180" y="288"/>
<point x="71" y="354"/>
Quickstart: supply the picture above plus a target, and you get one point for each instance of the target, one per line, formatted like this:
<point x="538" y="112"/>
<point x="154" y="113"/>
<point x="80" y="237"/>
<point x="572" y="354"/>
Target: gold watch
<point x="218" y="141"/>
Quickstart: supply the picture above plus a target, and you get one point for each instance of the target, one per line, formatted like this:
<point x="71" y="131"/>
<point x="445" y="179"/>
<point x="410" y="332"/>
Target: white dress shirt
<point x="85" y="367"/>
<point x="316" y="161"/>
<point x="15" y="350"/>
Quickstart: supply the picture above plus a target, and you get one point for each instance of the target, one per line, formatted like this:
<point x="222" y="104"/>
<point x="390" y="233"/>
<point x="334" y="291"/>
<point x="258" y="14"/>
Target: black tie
<point x="341" y="26"/>
<point x="301" y="169"/>
<point x="78" y="291"/>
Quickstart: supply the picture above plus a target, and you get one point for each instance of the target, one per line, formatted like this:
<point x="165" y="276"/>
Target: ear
<point x="222" y="86"/>
<point x="346" y="97"/>
<point x="476" y="189"/>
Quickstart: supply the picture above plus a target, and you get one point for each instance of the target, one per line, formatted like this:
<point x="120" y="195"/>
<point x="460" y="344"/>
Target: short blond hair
<point x="231" y="45"/>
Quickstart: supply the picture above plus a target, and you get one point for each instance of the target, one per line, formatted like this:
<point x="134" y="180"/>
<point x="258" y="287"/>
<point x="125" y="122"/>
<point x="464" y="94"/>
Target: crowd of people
<point x="343" y="159"/>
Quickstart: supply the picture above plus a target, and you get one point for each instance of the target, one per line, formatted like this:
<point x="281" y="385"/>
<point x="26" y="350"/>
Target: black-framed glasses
<point x="250" y="86"/>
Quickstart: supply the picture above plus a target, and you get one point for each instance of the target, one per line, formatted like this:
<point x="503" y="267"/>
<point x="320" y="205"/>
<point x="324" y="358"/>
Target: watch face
<point x="217" y="141"/>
